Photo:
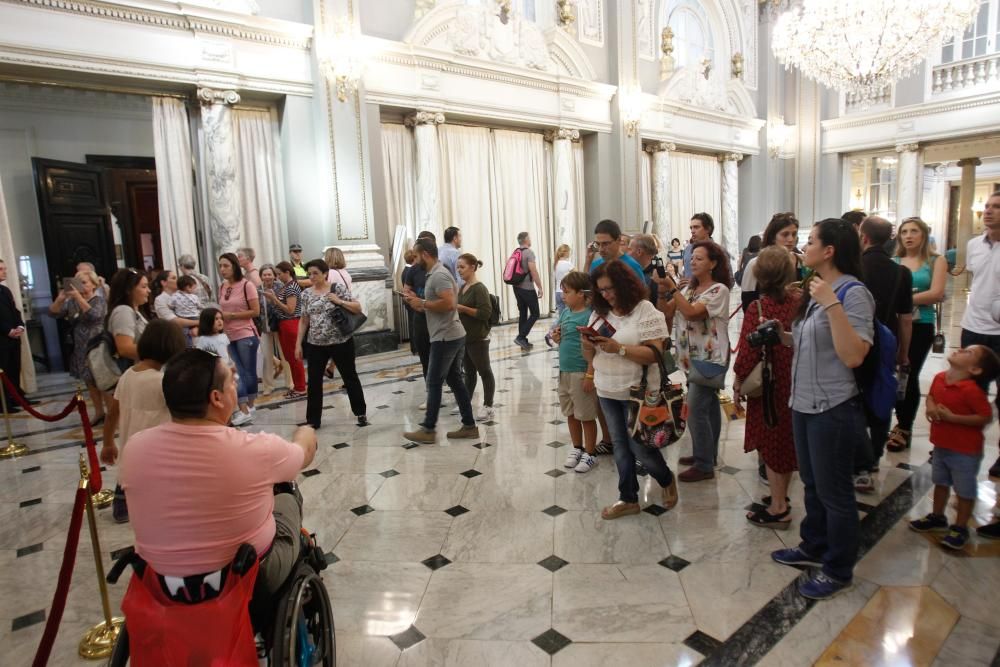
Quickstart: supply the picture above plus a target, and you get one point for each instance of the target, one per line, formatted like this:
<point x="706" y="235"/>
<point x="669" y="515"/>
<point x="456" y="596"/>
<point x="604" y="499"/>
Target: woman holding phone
<point x="626" y="325"/>
<point x="82" y="304"/>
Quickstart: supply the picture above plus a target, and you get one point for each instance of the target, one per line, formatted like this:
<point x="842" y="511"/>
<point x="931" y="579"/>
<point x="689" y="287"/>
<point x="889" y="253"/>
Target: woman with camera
<point x="831" y="335"/>
<point x="701" y="331"/>
<point x="616" y="346"/>
<point x="81" y="302"/>
<point x="769" y="419"/>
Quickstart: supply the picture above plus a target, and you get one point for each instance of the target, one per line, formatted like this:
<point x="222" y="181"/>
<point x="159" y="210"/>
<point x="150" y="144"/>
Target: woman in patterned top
<point x="286" y="301"/>
<point x="320" y="340"/>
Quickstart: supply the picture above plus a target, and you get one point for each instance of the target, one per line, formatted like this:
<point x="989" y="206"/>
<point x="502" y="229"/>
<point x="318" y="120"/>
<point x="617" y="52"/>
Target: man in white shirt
<point x="981" y="322"/>
<point x="449" y="252"/>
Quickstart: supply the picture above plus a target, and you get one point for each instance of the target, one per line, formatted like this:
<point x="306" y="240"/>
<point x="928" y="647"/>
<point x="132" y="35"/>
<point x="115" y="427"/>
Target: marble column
<point x="730" y="203"/>
<point x="661" y="190"/>
<point x="224" y="207"/>
<point x="908" y="177"/>
<point x="564" y="183"/>
<point x="424" y="124"/>
<point x="965" y="215"/>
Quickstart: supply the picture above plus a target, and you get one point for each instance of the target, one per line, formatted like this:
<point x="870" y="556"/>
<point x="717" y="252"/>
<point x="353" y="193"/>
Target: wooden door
<point x="133" y="199"/>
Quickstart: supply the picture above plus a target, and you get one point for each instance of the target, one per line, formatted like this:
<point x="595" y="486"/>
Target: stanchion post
<point x="100" y="639"/>
<point x="13" y="448"/>
<point x="103" y="497"/>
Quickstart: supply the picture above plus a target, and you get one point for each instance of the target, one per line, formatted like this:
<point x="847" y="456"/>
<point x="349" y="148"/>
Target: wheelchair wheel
<point x="304" y="632"/>
<point x="120" y="653"/>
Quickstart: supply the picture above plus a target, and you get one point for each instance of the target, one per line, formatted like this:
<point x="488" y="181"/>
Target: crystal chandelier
<point x="862" y="46"/>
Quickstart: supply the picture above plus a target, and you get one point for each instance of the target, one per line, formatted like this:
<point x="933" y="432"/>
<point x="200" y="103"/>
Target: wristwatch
<point x="621" y="351"/>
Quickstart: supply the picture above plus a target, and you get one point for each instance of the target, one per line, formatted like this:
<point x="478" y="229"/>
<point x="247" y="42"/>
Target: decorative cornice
<point x="907" y="148"/>
<point x="178" y="19"/>
<point x="572" y="134"/>
<point x="660" y="147"/>
<point x="914" y="111"/>
<point x="974" y="161"/>
<point x="212" y="96"/>
<point x="730" y="157"/>
<point x="424" y="118"/>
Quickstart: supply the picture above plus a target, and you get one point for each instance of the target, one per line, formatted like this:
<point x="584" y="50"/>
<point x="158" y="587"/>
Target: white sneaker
<point x="864" y="484"/>
<point x="241" y="418"/>
<point x="253" y="412"/>
<point x="573" y="457"/>
<point x="587" y="462"/>
<point x="486" y="414"/>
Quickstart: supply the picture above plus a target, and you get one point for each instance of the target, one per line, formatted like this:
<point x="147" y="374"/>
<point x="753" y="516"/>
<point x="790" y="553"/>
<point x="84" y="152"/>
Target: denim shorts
<point x="957" y="470"/>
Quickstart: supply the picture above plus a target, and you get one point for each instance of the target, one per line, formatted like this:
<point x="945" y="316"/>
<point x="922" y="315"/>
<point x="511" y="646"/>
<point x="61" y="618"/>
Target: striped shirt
<point x="285" y="291"/>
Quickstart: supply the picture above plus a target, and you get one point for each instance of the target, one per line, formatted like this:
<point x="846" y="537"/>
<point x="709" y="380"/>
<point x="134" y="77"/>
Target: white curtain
<point x="258" y="166"/>
<point x="519" y="205"/>
<point x="399" y="166"/>
<point x="695" y="186"/>
<point x="13" y="283"/>
<point x="646" y="168"/>
<point x="174" y="179"/>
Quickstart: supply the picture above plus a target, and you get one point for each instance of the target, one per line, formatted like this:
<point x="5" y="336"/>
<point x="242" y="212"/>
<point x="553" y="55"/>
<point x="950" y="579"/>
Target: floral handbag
<point x="655" y="418"/>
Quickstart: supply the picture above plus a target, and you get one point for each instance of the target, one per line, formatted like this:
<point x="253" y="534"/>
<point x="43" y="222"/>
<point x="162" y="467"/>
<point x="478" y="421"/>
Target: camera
<point x="657" y="264"/>
<point x="768" y="333"/>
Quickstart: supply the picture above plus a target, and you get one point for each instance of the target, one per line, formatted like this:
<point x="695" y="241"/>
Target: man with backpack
<point x="521" y="272"/>
<point x="891" y="285"/>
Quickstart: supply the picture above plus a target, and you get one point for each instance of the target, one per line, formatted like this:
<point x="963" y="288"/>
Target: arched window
<point x="692" y="36"/>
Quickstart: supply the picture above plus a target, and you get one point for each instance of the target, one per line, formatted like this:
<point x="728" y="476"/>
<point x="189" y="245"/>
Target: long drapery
<point x="695" y="186"/>
<point x="646" y="208"/>
<point x="258" y="166"/>
<point x="398" y="160"/>
<point x="13" y="282"/>
<point x="174" y="179"/>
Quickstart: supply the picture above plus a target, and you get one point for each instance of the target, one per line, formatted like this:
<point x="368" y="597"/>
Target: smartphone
<point x="72" y="283"/>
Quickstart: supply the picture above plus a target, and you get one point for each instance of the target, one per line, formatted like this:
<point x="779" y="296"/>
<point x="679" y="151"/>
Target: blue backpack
<point x="876" y="376"/>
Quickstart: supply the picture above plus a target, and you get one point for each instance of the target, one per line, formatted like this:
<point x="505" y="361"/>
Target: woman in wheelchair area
<point x="198" y="488"/>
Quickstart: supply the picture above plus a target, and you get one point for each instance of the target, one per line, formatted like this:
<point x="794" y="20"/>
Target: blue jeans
<point x="244" y="355"/>
<point x="560" y="304"/>
<point x="705" y="424"/>
<point x="444" y="364"/>
<point x="627" y="450"/>
<point x="824" y="445"/>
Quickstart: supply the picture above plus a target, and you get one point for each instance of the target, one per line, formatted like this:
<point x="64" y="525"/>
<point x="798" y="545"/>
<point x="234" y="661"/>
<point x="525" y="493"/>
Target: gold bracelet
<point x="588" y="376"/>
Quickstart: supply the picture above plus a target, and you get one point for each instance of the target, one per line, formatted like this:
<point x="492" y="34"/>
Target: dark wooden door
<point x="133" y="199"/>
<point x="76" y="218"/>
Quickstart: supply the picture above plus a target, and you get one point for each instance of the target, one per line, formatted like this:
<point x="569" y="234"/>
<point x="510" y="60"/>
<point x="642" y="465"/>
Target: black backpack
<point x="495" y="313"/>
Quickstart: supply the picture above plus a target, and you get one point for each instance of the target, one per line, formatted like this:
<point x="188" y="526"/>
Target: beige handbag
<point x="753" y="385"/>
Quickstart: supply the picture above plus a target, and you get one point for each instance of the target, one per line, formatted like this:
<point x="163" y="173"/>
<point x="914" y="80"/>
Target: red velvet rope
<point x="12" y="391"/>
<point x="62" y="586"/>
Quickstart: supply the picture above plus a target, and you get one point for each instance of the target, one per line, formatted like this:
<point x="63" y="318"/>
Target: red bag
<point x="214" y="633"/>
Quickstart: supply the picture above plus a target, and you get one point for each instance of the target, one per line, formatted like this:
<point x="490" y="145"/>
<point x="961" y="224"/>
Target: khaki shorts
<point x="573" y="400"/>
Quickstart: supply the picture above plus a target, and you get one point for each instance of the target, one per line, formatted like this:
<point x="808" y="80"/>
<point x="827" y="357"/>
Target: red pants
<point x="288" y="331"/>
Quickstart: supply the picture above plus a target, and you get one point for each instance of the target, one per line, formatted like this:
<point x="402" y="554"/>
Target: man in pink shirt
<point x="201" y="488"/>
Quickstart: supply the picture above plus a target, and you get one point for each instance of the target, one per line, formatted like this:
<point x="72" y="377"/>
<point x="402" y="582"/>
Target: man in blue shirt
<point x="702" y="227"/>
<point x="449" y="252"/>
<point x="607" y="235"/>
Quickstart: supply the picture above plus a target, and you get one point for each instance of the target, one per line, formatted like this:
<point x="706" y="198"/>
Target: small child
<point x="576" y="381"/>
<point x="958" y="410"/>
<point x="213" y="338"/>
<point x="185" y="302"/>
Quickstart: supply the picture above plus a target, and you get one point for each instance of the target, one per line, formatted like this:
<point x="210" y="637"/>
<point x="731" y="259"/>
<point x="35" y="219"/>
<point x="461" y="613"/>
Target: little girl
<point x="213" y="337"/>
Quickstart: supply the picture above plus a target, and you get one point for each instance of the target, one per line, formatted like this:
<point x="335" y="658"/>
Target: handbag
<point x="753" y="384"/>
<point x="707" y="374"/>
<point x="655" y="418"/>
<point x="346" y="321"/>
<point x="103" y="361"/>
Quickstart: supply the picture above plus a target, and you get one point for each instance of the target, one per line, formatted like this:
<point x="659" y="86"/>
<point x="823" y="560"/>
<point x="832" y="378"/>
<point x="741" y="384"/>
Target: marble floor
<point x="489" y="552"/>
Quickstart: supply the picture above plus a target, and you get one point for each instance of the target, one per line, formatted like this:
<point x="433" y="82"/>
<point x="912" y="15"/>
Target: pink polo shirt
<point x="233" y="299"/>
<point x="195" y="493"/>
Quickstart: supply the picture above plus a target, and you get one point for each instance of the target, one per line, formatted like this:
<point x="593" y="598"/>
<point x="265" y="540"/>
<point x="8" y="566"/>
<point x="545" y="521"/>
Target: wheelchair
<point x="294" y="627"/>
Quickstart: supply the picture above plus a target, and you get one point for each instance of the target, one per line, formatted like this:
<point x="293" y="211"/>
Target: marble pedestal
<point x="373" y="288"/>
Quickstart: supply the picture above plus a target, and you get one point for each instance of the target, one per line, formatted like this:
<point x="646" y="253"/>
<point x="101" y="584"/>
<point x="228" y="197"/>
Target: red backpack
<point x="514" y="273"/>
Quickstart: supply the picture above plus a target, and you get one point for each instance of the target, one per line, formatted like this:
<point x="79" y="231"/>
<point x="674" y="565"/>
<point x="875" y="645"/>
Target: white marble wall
<point x="909" y="176"/>
<point x="661" y="191"/>
<point x="564" y="190"/>
<point x="730" y="203"/>
<point x="220" y="168"/>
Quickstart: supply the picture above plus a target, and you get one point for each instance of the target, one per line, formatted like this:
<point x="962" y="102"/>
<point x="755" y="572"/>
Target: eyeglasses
<point x="606" y="290"/>
<point x="605" y="244"/>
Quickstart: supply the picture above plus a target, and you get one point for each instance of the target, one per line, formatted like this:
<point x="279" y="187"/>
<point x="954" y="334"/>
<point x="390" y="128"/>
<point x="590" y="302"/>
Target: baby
<point x="185" y="302"/>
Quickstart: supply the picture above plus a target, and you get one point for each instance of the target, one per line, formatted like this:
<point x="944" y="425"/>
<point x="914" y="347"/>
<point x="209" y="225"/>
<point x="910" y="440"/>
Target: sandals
<point x="766" y="501"/>
<point x="291" y="393"/>
<point x="899" y="440"/>
<point x="765" y="519"/>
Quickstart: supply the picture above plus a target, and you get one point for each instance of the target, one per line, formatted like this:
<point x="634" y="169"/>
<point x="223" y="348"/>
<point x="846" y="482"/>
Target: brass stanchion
<point x="103" y="497"/>
<point x="100" y="639"/>
<point x="13" y="448"/>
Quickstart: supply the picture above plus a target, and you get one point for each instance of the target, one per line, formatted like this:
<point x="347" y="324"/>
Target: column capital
<point x="570" y="133"/>
<point x="730" y="157"/>
<point x="214" y="96"/>
<point x="424" y="118"/>
<point x="659" y="147"/>
<point x="907" y="148"/>
<point x="970" y="161"/>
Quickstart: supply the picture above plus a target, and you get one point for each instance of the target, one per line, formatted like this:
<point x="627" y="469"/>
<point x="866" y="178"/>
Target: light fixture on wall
<point x="777" y="136"/>
<point x="342" y="53"/>
<point x="862" y="46"/>
<point x="630" y="104"/>
<point x="979" y="207"/>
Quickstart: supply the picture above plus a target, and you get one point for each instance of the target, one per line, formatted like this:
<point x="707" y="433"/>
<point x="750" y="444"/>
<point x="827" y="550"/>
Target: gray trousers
<point x="277" y="565"/>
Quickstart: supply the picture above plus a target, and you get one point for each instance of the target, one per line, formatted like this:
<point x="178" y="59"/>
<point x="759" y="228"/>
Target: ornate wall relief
<point x="479" y="32"/>
<point x="590" y="22"/>
<point x="646" y="29"/>
<point x="235" y="6"/>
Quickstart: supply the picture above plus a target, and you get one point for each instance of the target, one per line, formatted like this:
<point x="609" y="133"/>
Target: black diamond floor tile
<point x="27" y="620"/>
<point x="675" y="563"/>
<point x="31" y="469"/>
<point x="331" y="558"/>
<point x="398" y="392"/>
<point x="410" y="445"/>
<point x="27" y="551"/>
<point x="482" y="445"/>
<point x="471" y="473"/>
<point x="556" y="422"/>
<point x="29" y="503"/>
<point x="363" y="509"/>
<point x="906" y="466"/>
<point x="341" y="445"/>
<point x="407" y="638"/>
<point x="655" y="510"/>
<point x="555" y="472"/>
<point x="555" y="444"/>
<point x="553" y="563"/>
<point x="457" y="510"/>
<point x="554" y="510"/>
<point x="389" y="473"/>
<point x="310" y="473"/>
<point x="491" y="422"/>
<point x="435" y="562"/>
<point x="551" y="641"/>
<point x="704" y="644"/>
<point x="729" y="470"/>
<point x="381" y="407"/>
